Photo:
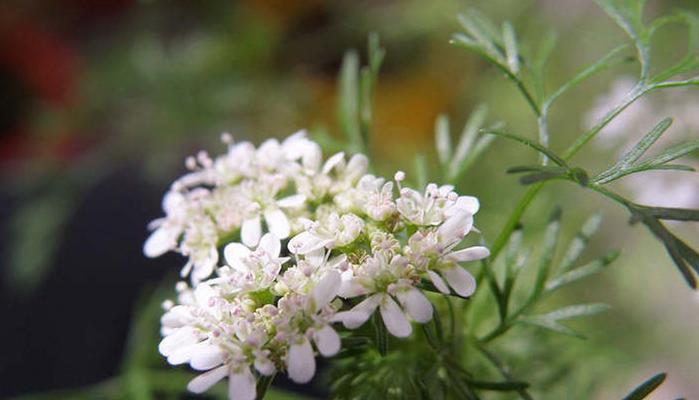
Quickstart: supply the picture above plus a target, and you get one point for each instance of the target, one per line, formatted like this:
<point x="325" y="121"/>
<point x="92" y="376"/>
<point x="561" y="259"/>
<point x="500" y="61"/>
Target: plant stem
<point x="503" y="371"/>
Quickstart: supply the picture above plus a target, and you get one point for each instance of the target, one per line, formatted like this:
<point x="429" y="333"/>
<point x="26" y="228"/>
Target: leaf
<point x="537" y="168"/>
<point x="550" y="320"/>
<point x="421" y="170"/>
<point x="548" y="249"/>
<point x="630" y="157"/>
<point x="442" y="137"/>
<point x="528" y="142"/>
<point x="580" y="241"/>
<point x="602" y="64"/>
<point x="676" y="214"/>
<point x="670" y="154"/>
<point x="551" y="325"/>
<point x="506" y="386"/>
<point x="511" y="51"/>
<point x="581" y="272"/>
<point x="669" y="241"/>
<point x="348" y="105"/>
<point x="646" y="388"/>
<point x="628" y="15"/>
<point x="467" y="139"/>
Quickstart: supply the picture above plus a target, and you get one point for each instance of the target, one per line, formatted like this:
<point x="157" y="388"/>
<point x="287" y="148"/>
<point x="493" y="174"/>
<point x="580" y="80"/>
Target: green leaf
<point x="602" y="64"/>
<point x="511" y="51"/>
<point x="628" y="15"/>
<point x="574" y="311"/>
<point x="550" y="325"/>
<point x="580" y="241"/>
<point x="671" y="154"/>
<point x="550" y="320"/>
<point x="646" y="388"/>
<point x="348" y="105"/>
<point x="421" y="170"/>
<point x="675" y="214"/>
<point x="442" y="137"/>
<point x="548" y="251"/>
<point x="467" y="140"/>
<point x="668" y="240"/>
<point x="537" y="168"/>
<point x="506" y="386"/>
<point x="630" y="157"/>
<point x="530" y="143"/>
<point x="581" y="272"/>
<point x="540" y="177"/>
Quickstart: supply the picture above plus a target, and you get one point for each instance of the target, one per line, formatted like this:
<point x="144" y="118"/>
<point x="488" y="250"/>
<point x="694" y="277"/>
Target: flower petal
<point x="326" y="289"/>
<point x="271" y="244"/>
<point x="278" y="223"/>
<point x="183" y="337"/>
<point x="394" y="319"/>
<point x="327" y="341"/>
<point x="333" y="161"/>
<point x="242" y="385"/>
<point x="205" y="381"/>
<point x="264" y="366"/>
<point x="161" y="241"/>
<point x="455" y="227"/>
<point x="294" y="201"/>
<point x="233" y="253"/>
<point x="438" y="282"/>
<point x="469" y="254"/>
<point x="415" y="304"/>
<point x="359" y="314"/>
<point x="463" y="283"/>
<point x="306" y="242"/>
<point x="301" y="362"/>
<point x="251" y="231"/>
<point x="206" y="356"/>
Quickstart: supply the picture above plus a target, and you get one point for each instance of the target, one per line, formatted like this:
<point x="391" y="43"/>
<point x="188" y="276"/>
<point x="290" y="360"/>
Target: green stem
<point x="499" y="365"/>
<point x="513" y="221"/>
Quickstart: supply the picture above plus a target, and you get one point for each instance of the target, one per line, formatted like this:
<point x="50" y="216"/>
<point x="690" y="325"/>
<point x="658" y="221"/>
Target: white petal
<point x="277" y="223"/>
<point x="394" y="319"/>
<point x="251" y="231"/>
<point x="306" y="242"/>
<point x="327" y="341"/>
<point x="415" y="304"/>
<point x="315" y="257"/>
<point x="455" y="227"/>
<point x="161" y="241"/>
<point x="469" y="204"/>
<point x="203" y="293"/>
<point x="205" y="381"/>
<point x="175" y="317"/>
<point x="300" y="362"/>
<point x="271" y="244"/>
<point x="469" y="254"/>
<point x="183" y="337"/>
<point x="333" y="161"/>
<point x="460" y="280"/>
<point x="294" y="201"/>
<point x="206" y="356"/>
<point x="438" y="282"/>
<point x="172" y="202"/>
<point x="357" y="166"/>
<point x="181" y="355"/>
<point x="234" y="252"/>
<point x="241" y="386"/>
<point x="312" y="156"/>
<point x="326" y="289"/>
<point x="264" y="366"/>
<point x="444" y="190"/>
<point x="359" y="314"/>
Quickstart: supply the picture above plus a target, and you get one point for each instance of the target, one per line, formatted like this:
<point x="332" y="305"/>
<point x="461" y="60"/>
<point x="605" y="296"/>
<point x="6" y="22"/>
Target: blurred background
<point x="100" y="101"/>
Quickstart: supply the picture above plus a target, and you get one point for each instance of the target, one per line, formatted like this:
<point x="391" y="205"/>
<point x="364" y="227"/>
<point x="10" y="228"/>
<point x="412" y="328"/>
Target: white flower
<point x="330" y="232"/>
<point x="167" y="230"/>
<point x="262" y="202"/>
<point x="434" y="206"/>
<point x="199" y="243"/>
<point x="309" y="318"/>
<point x="432" y="252"/>
<point x="249" y="270"/>
<point x="374" y="196"/>
<point x="384" y="279"/>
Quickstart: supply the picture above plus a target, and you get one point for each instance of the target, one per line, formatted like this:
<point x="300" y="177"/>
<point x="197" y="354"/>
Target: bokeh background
<point x="100" y="101"/>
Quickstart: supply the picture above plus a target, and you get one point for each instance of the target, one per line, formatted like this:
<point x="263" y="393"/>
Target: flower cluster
<point x="356" y="243"/>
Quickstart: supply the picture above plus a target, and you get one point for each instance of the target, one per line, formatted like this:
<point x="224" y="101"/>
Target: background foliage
<point x="142" y="84"/>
